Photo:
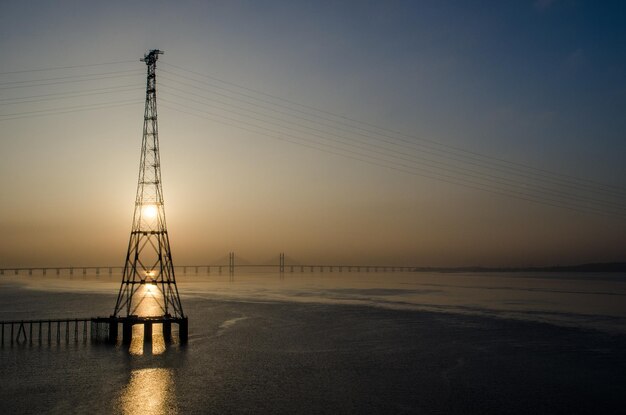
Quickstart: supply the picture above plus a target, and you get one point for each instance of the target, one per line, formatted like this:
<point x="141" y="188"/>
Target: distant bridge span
<point x="208" y="268"/>
<point x="230" y="267"/>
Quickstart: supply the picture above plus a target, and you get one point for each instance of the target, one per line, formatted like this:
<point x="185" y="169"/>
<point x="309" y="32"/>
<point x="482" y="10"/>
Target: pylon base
<point x="148" y="322"/>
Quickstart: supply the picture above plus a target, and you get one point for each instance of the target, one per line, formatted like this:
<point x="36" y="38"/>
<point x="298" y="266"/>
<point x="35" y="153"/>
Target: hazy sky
<point x="279" y="127"/>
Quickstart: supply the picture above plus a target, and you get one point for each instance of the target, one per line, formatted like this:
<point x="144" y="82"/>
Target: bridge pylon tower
<point x="148" y="291"/>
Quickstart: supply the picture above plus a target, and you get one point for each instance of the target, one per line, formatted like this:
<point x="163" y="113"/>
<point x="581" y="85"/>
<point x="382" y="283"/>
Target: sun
<point x="150" y="211"/>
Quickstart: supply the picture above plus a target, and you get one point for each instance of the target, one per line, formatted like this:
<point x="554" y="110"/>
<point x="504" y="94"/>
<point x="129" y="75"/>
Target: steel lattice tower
<point x="149" y="272"/>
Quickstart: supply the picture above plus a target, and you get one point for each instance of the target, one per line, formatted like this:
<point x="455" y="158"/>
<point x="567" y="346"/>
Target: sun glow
<point x="150" y="281"/>
<point x="150" y="211"/>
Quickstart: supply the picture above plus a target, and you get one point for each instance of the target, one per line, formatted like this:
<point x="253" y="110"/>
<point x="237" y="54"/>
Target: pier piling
<point x="183" y="330"/>
<point x="147" y="332"/>
<point x="167" y="331"/>
<point x="127" y="332"/>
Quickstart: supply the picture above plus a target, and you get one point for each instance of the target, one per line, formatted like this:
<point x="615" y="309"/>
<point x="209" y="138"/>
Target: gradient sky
<point x="538" y="83"/>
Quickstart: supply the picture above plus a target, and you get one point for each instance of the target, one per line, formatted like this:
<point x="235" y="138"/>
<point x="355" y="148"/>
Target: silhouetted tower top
<point x="148" y="282"/>
<point x="151" y="57"/>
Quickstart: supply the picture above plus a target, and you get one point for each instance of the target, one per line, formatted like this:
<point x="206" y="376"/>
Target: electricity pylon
<point x="148" y="272"/>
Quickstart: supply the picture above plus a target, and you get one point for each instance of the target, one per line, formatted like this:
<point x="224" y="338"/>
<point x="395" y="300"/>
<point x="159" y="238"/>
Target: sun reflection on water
<point x="149" y="306"/>
<point x="138" y="346"/>
<point x="149" y="391"/>
<point x="150" y="301"/>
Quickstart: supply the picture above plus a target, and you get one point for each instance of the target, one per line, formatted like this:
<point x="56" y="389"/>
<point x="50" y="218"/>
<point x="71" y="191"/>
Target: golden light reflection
<point x="139" y="345"/>
<point x="151" y="298"/>
<point x="149" y="391"/>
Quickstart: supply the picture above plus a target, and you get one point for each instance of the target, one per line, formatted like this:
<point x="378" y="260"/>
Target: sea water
<point x="337" y="342"/>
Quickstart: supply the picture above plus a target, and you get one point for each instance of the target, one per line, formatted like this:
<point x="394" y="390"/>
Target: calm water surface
<point x="596" y="301"/>
<point x="333" y="343"/>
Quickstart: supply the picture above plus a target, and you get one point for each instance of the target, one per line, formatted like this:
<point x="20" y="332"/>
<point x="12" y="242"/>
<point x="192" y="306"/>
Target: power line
<point x="378" y="160"/>
<point x="67" y="81"/>
<point x="489" y="174"/>
<point x="61" y="96"/>
<point x="467" y="159"/>
<point x="66" y="67"/>
<point x="69" y="77"/>
<point x="451" y="180"/>
<point x="421" y="148"/>
<point x="414" y="159"/>
<point x="444" y="147"/>
<point x="332" y="129"/>
<point x="65" y="110"/>
<point x="71" y="92"/>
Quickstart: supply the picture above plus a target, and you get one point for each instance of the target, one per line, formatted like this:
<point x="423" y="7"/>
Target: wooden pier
<point x="46" y="330"/>
<point x="97" y="329"/>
